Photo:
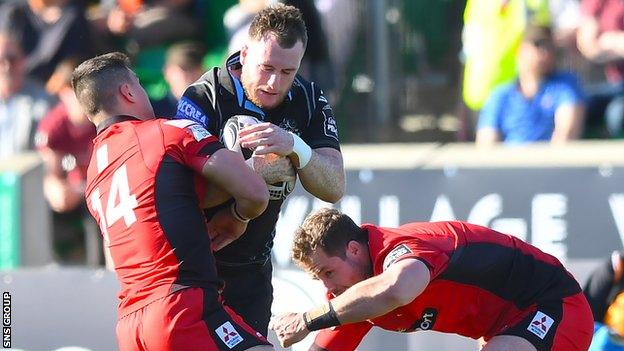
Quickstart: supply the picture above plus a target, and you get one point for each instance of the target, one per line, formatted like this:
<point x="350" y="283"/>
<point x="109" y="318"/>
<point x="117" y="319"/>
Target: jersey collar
<point x="234" y="86"/>
<point x="112" y="120"/>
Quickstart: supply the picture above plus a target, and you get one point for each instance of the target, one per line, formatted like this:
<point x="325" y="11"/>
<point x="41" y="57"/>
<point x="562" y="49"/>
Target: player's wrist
<point x="302" y="150"/>
<point x="239" y="217"/>
<point x="321" y="317"/>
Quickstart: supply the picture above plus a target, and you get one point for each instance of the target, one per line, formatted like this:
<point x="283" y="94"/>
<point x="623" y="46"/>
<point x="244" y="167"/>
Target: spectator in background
<point x="183" y="66"/>
<point x="23" y="102"/>
<point x="542" y="104"/>
<point x="64" y="141"/>
<point x="492" y="32"/>
<point x="49" y="31"/>
<point x="604" y="292"/>
<point x="139" y="24"/>
<point x="601" y="39"/>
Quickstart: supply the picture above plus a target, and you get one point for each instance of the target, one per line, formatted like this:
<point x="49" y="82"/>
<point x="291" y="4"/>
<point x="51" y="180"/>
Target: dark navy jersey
<point x="217" y="96"/>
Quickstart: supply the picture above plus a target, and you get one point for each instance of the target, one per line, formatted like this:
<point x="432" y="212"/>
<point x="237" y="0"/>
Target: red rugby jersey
<point x="144" y="188"/>
<point x="481" y="281"/>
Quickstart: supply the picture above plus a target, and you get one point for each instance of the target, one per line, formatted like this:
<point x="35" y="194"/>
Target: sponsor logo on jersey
<point x="229" y="335"/>
<point x="427" y="320"/>
<point x="331" y="129"/>
<point x="540" y="325"/>
<point x="322" y="98"/>
<point x="397" y="252"/>
<point x="187" y="109"/>
<point x="199" y="132"/>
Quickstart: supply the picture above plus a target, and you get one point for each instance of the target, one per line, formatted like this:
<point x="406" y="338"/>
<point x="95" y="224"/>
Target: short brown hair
<point x="95" y="81"/>
<point x="327" y="229"/>
<point x="283" y="21"/>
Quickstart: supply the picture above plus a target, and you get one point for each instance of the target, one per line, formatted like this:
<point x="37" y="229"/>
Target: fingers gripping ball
<point x="277" y="171"/>
<point x="230" y="133"/>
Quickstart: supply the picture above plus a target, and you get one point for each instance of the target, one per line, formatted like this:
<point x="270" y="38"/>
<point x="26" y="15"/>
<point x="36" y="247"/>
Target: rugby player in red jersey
<point x="147" y="182"/>
<point x="452" y="277"/>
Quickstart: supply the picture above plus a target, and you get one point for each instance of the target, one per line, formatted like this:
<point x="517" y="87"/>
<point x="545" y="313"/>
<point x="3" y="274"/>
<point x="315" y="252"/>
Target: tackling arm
<point x="400" y="284"/>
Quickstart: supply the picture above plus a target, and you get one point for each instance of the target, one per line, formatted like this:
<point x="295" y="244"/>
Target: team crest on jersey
<point x="540" y="325"/>
<point x="427" y="320"/>
<point x="331" y="128"/>
<point x="188" y="110"/>
<point x="289" y="125"/>
<point x="397" y="252"/>
<point x="229" y="335"/>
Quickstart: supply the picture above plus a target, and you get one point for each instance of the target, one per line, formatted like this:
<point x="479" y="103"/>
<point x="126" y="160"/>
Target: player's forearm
<point x="324" y="175"/>
<point x="366" y="300"/>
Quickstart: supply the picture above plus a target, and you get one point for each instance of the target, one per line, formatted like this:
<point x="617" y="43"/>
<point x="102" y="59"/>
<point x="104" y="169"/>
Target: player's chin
<point x="268" y="100"/>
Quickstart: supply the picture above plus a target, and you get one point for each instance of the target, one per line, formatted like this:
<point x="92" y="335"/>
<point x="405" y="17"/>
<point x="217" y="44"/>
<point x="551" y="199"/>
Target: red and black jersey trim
<point x="509" y="273"/>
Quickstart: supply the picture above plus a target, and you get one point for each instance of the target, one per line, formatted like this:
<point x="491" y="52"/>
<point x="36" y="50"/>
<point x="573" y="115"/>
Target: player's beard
<point x="250" y="92"/>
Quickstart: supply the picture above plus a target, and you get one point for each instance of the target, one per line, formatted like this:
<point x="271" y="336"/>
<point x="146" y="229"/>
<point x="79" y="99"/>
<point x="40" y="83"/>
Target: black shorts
<point x="249" y="292"/>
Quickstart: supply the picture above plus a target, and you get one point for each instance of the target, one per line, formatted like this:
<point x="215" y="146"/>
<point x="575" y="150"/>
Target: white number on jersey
<point x="121" y="203"/>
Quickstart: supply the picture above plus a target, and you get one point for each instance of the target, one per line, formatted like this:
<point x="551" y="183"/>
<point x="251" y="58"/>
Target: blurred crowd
<point x="533" y="71"/>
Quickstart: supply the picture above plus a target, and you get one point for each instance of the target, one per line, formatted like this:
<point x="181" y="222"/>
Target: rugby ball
<point x="232" y="126"/>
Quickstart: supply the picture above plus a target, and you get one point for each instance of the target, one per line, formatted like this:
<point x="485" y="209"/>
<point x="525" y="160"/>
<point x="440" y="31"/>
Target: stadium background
<point x="398" y="107"/>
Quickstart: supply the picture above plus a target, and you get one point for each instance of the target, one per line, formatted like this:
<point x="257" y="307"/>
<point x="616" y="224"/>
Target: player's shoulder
<point x="205" y="84"/>
<point x="180" y="128"/>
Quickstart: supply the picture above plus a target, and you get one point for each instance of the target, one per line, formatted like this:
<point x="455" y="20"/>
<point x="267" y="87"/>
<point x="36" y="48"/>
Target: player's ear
<point x="126" y="92"/>
<point x="354" y="249"/>
<point x="243" y="54"/>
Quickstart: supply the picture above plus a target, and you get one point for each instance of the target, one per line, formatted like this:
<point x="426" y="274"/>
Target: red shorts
<point x="187" y="320"/>
<point x="564" y="325"/>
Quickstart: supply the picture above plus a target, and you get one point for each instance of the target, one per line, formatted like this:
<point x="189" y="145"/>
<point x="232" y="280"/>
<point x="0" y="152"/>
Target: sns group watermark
<point x="6" y="320"/>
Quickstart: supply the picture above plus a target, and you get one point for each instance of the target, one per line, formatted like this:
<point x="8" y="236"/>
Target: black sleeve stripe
<point x="210" y="149"/>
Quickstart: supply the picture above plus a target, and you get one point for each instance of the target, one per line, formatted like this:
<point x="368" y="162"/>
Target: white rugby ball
<point x="232" y="126"/>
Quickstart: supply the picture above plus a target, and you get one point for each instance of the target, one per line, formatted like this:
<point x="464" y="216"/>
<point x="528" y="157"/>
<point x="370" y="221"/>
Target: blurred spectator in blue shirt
<point x="542" y="104"/>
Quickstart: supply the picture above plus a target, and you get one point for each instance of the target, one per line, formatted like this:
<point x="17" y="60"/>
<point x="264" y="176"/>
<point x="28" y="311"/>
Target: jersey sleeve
<point x="342" y="338"/>
<point x="189" y="143"/>
<point x="322" y="131"/>
<point x="435" y="259"/>
<point x="197" y="104"/>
